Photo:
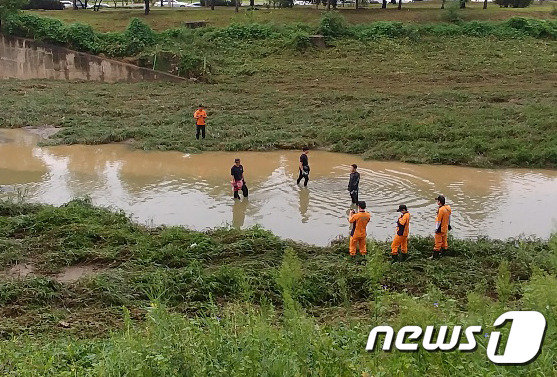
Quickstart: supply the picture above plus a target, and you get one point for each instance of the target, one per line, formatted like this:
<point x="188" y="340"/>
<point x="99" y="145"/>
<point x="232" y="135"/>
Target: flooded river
<point x="194" y="190"/>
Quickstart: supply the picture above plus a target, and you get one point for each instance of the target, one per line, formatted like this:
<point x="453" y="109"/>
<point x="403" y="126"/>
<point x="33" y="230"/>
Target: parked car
<point x="172" y="4"/>
<point x="67" y="4"/>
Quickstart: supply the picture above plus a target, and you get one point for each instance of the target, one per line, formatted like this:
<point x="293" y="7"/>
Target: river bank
<point x="67" y="271"/>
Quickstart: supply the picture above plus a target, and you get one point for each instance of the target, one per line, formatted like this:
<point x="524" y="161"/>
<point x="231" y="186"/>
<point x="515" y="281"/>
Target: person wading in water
<point x="304" y="167"/>
<point x="238" y="182"/>
<point x="354" y="183"/>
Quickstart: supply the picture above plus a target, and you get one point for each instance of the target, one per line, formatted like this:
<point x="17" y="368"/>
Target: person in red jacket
<point x="200" y="116"/>
<point x="442" y="227"/>
<point x="401" y="236"/>
<point x="359" y="223"/>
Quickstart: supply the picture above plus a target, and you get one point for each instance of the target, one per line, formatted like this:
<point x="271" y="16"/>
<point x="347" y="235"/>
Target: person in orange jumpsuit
<point x="442" y="227"/>
<point x="200" y="116"/>
<point x="401" y="236"/>
<point x="359" y="223"/>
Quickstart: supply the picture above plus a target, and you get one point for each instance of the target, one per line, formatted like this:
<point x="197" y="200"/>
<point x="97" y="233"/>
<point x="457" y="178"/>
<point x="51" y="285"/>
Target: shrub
<point x="299" y="41"/>
<point x="333" y="25"/>
<point x="452" y="14"/>
<point x="192" y="65"/>
<point x="381" y="29"/>
<point x="138" y="36"/>
<point x="245" y="32"/>
<point x="83" y="37"/>
<point x="42" y="29"/>
<point x="534" y="28"/>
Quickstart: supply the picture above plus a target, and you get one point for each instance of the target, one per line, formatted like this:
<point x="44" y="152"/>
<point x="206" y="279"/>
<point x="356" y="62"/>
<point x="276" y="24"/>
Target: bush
<point x="534" y="28"/>
<point x="333" y="25"/>
<point x="192" y="66"/>
<point x="381" y="29"/>
<point x="514" y="3"/>
<point x="42" y="29"/>
<point x="452" y="14"/>
<point x="44" y="4"/>
<point x="245" y="32"/>
<point x="138" y="36"/>
<point x="299" y="41"/>
<point x="83" y="38"/>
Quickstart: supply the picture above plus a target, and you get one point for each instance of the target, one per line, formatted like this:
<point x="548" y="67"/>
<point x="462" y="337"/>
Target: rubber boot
<point x="236" y="195"/>
<point x="403" y="257"/>
<point x="435" y="255"/>
<point x="394" y="258"/>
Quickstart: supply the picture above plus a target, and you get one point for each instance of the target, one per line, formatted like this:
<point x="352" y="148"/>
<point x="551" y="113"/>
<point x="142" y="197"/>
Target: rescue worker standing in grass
<point x="442" y="227"/>
<point x="354" y="183"/>
<point x="200" y="116"/>
<point x="359" y="223"/>
<point x="401" y="236"/>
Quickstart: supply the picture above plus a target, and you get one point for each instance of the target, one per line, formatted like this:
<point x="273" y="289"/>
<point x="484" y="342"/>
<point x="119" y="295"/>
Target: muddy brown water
<point x="194" y="190"/>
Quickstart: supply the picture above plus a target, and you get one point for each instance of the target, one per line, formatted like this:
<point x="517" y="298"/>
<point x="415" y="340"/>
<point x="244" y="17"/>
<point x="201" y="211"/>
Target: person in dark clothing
<point x="238" y="182"/>
<point x="304" y="167"/>
<point x="354" y="183"/>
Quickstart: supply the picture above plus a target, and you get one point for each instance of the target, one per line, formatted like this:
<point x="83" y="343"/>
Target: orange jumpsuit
<point x="442" y="227"/>
<point x="401" y="236"/>
<point x="358" y="232"/>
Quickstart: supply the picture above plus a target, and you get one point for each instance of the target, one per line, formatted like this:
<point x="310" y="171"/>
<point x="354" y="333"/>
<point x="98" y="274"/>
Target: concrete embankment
<point x="29" y="59"/>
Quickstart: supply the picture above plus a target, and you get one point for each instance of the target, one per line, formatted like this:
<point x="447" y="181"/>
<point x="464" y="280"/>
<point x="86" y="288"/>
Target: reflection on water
<point x="194" y="190"/>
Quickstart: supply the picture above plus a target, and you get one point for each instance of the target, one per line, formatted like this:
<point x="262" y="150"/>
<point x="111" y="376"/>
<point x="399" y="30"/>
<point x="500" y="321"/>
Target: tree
<point x="399" y="4"/>
<point x="384" y="5"/>
<point x="212" y="4"/>
<point x="9" y="6"/>
<point x="147" y="9"/>
<point x="462" y="4"/>
<point x="236" y="5"/>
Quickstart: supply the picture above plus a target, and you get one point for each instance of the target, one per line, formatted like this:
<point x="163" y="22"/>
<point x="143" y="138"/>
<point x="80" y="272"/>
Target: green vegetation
<point x="115" y="20"/>
<point x="169" y="301"/>
<point x="473" y="93"/>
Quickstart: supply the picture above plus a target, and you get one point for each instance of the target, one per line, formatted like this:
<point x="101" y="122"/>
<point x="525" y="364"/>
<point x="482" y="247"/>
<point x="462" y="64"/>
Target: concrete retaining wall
<point x="28" y="59"/>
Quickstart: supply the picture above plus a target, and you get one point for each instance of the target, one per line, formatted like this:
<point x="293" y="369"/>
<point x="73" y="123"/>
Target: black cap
<point x="236" y="160"/>
<point x="441" y="199"/>
<point x="362" y="204"/>
<point x="401" y="208"/>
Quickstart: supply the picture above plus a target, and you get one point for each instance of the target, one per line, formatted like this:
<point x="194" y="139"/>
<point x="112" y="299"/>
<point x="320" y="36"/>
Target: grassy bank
<point x="244" y="302"/>
<point x="478" y="94"/>
<point x="420" y="12"/>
